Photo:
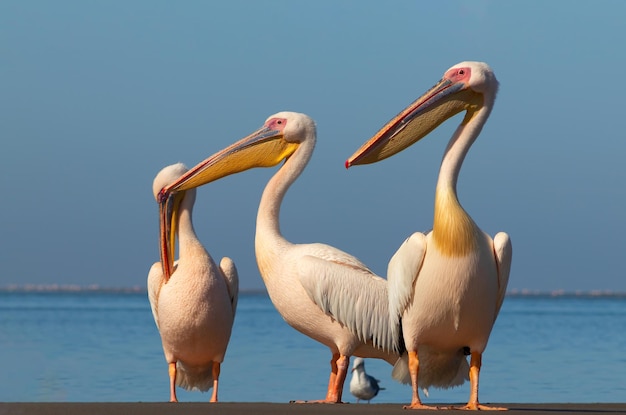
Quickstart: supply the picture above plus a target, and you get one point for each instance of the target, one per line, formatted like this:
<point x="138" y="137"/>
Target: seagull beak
<point x="169" y="205"/>
<point x="444" y="100"/>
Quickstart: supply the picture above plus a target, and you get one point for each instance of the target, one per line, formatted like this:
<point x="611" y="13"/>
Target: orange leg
<point x="331" y="381"/>
<point x="414" y="365"/>
<point x="333" y="376"/>
<point x="334" y="395"/>
<point x="172" y="373"/>
<point x="338" y="373"/>
<point x="473" y="404"/>
<point x="216" y="375"/>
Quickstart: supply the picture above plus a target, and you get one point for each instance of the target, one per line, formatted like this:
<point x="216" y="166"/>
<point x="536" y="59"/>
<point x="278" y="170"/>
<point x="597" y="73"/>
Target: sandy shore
<point x="153" y="408"/>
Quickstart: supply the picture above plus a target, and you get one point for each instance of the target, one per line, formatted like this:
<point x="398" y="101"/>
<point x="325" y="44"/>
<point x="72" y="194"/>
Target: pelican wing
<point x="503" y="252"/>
<point x="155" y="280"/>
<point x="402" y="272"/>
<point x="348" y="291"/>
<point x="232" y="280"/>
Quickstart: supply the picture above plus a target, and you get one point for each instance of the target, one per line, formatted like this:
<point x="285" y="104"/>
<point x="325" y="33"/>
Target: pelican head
<point x="467" y="86"/>
<point x="168" y="212"/>
<point x="276" y="140"/>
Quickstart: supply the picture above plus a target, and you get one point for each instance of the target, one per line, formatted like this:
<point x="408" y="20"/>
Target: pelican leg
<point x="216" y="375"/>
<point x="331" y="382"/>
<point x="333" y="376"/>
<point x="473" y="404"/>
<point x="334" y="395"/>
<point x="414" y="365"/>
<point x="172" y="373"/>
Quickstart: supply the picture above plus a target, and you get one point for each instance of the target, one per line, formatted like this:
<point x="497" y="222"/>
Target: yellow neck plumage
<point x="454" y="231"/>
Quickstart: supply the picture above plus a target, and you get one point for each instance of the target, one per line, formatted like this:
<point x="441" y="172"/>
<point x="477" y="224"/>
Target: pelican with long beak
<point x="319" y="290"/>
<point x="447" y="287"/>
<point x="193" y="300"/>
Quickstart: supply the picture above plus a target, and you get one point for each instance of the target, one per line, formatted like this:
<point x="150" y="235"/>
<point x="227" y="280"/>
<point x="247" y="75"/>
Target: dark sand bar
<point x="153" y="408"/>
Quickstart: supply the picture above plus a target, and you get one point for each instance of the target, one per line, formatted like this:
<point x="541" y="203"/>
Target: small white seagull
<point x="362" y="385"/>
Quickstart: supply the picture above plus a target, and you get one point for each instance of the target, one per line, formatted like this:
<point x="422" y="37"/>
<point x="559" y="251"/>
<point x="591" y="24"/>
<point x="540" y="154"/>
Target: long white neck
<point x="453" y="229"/>
<point x="186" y="234"/>
<point x="458" y="146"/>
<point x="267" y="226"/>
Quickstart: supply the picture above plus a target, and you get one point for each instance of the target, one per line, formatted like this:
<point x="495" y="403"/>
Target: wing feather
<point x="155" y="280"/>
<point x="232" y="280"/>
<point x="348" y="291"/>
<point x="402" y="272"/>
<point x="503" y="251"/>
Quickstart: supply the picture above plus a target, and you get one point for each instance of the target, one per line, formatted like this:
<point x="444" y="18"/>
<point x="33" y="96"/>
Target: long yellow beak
<point x="441" y="102"/>
<point x="168" y="220"/>
<point x="265" y="147"/>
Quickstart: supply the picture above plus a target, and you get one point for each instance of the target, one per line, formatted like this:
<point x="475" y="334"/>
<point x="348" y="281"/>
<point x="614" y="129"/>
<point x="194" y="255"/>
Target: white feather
<point x="357" y="298"/>
<point x="155" y="276"/>
<point x="190" y="378"/>
<point x="402" y="272"/>
<point x="503" y="251"/>
<point x="437" y="369"/>
<point x="232" y="281"/>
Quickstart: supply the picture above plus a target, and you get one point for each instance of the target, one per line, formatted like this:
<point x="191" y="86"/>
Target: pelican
<point x="319" y="290"/>
<point x="193" y="300"/>
<point x="362" y="385"/>
<point x="447" y="286"/>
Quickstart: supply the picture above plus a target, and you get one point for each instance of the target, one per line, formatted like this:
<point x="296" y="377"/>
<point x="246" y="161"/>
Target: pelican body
<point x="194" y="301"/>
<point x="319" y="290"/>
<point x="362" y="385"/>
<point x="446" y="286"/>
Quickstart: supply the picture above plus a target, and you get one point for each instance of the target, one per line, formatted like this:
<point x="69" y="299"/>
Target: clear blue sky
<point x="97" y="96"/>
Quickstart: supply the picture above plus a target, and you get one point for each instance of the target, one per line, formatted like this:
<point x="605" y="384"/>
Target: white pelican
<point x="193" y="306"/>
<point x="362" y="385"/>
<point x="319" y="290"/>
<point x="447" y="287"/>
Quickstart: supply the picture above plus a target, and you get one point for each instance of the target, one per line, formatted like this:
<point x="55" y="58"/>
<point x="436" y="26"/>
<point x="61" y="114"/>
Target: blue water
<point x="98" y="347"/>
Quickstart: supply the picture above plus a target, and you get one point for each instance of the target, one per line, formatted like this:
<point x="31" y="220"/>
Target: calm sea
<point x="84" y="347"/>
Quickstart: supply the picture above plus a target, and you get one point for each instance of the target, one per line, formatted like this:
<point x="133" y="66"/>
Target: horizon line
<point x="97" y="288"/>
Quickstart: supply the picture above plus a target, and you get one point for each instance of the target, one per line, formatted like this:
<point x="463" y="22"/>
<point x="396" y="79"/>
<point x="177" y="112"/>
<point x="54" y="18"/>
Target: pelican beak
<point x="265" y="147"/>
<point x="444" y="100"/>
<point x="168" y="219"/>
